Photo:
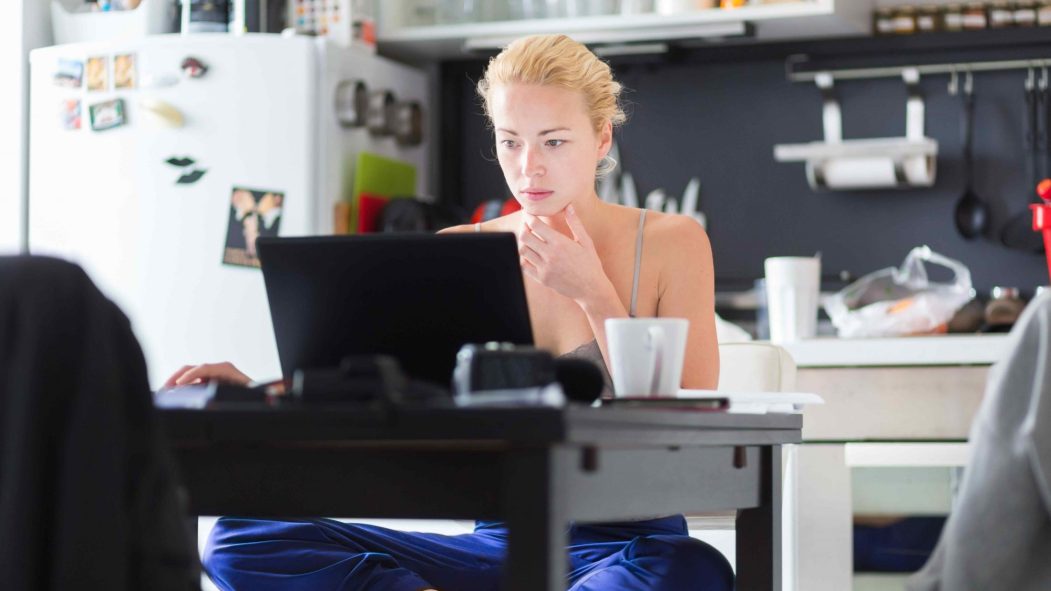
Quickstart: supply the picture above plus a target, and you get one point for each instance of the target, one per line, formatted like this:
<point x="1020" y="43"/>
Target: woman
<point x="553" y="106"/>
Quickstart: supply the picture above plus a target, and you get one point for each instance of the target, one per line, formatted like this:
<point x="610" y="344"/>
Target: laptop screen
<point x="415" y="297"/>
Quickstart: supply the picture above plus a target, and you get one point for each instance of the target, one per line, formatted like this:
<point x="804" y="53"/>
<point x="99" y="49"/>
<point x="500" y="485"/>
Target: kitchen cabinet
<point x="896" y="417"/>
<point x="402" y="34"/>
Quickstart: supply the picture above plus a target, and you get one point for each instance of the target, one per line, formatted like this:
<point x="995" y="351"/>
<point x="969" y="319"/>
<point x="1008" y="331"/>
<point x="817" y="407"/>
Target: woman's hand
<point x="195" y="374"/>
<point x="570" y="266"/>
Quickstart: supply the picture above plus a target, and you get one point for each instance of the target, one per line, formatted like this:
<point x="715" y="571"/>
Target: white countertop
<point x="920" y="350"/>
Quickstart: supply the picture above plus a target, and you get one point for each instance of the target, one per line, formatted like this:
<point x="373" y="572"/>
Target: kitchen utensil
<point x="655" y="199"/>
<point x="1017" y="233"/>
<point x="671" y="205"/>
<point x="628" y="195"/>
<point x="690" y="197"/>
<point x="971" y="214"/>
<point x="1042" y="219"/>
<point x="607" y="183"/>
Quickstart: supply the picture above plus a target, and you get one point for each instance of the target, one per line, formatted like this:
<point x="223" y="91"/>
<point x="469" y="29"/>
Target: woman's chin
<point x="545" y="208"/>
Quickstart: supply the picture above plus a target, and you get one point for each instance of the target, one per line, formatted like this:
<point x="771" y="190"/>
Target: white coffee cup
<point x="792" y="288"/>
<point x="646" y="355"/>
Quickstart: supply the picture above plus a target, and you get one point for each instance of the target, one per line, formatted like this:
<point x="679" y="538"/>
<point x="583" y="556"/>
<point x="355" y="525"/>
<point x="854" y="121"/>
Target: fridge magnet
<point x="98" y="77"/>
<point x="252" y="213"/>
<point x="189" y="176"/>
<point x="193" y="67"/>
<point x="70" y="73"/>
<point x="124" y="71"/>
<point x="180" y="162"/>
<point x="107" y="115"/>
<point x="71" y="114"/>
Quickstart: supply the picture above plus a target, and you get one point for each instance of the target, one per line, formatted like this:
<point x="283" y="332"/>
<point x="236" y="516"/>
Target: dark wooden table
<point x="535" y="468"/>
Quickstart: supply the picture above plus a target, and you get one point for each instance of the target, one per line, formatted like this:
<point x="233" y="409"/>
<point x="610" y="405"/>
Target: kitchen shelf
<point x="769" y="22"/>
<point x="899" y="352"/>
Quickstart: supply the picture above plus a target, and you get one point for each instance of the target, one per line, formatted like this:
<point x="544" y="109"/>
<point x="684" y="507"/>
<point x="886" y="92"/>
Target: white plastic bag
<point x="894" y="302"/>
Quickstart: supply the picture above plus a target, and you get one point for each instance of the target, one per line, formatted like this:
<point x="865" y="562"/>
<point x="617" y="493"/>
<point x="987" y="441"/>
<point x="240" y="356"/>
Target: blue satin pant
<point x="324" y="555"/>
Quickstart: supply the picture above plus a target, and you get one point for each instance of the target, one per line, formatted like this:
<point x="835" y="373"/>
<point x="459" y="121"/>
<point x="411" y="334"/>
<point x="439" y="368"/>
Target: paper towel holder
<point x="894" y="162"/>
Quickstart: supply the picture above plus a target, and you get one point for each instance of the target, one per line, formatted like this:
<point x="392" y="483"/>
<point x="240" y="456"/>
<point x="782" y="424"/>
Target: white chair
<point x="756" y="367"/>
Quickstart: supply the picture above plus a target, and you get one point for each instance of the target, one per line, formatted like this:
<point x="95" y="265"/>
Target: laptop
<point x="415" y="297"/>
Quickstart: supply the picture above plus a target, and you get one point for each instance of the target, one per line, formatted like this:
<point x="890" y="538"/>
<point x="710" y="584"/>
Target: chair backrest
<point x="755" y="367"/>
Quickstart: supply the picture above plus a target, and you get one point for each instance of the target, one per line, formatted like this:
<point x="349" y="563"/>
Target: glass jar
<point x="974" y="17"/>
<point x="905" y="20"/>
<point x="1025" y="13"/>
<point x="883" y="22"/>
<point x="1000" y="15"/>
<point x="1043" y="13"/>
<point x="1003" y="309"/>
<point x="952" y="18"/>
<point x="928" y="19"/>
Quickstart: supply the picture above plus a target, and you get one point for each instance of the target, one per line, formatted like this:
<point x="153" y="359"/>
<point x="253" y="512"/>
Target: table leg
<point x="534" y="505"/>
<point x="759" y="529"/>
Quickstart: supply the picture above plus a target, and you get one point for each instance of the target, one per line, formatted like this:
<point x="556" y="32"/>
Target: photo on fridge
<point x="124" y="71"/>
<point x="69" y="73"/>
<point x="71" y="114"/>
<point x="97" y="74"/>
<point x="107" y="115"/>
<point x="253" y="213"/>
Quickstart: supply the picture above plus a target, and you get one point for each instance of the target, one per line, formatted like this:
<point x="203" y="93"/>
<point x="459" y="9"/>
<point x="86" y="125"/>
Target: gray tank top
<point x="590" y="350"/>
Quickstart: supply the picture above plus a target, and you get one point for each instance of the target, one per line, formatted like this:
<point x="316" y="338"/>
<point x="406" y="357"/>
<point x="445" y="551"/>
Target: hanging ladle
<point x="972" y="214"/>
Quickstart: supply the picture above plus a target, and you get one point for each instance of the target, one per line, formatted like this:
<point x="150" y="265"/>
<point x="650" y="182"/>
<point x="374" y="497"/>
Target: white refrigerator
<point x="148" y="160"/>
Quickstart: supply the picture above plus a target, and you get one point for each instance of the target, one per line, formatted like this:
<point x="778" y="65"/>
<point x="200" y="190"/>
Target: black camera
<point x="501" y="366"/>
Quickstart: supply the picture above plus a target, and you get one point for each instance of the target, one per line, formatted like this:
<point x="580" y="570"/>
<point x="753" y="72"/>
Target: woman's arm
<point x="686" y="289"/>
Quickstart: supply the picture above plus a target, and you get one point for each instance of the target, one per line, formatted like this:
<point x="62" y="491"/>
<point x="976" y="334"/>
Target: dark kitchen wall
<point x="716" y="113"/>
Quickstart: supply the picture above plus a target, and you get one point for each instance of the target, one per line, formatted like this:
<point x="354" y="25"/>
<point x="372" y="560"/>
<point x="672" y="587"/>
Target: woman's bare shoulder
<point x="672" y="236"/>
<point x="506" y="223"/>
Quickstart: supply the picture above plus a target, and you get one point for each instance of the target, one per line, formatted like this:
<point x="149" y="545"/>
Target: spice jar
<point x="905" y="20"/>
<point x="1043" y="13"/>
<point x="974" y="17"/>
<point x="1025" y="14"/>
<point x="1000" y="15"/>
<point x="952" y="18"/>
<point x="883" y="22"/>
<point x="928" y="19"/>
<point x="1003" y="309"/>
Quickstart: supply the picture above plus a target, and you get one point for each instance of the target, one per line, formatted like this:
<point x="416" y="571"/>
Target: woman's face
<point x="546" y="145"/>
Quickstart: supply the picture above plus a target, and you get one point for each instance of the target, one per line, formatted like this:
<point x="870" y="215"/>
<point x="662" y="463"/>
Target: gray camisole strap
<point x="638" y="265"/>
<point x="590" y="350"/>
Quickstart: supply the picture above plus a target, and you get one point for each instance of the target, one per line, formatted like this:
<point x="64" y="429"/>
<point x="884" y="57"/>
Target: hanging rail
<point x="896" y="71"/>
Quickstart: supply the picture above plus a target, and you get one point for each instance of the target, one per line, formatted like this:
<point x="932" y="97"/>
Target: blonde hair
<point x="556" y="60"/>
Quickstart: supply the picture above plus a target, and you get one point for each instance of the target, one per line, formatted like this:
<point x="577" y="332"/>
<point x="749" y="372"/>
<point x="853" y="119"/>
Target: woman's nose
<point x="532" y="164"/>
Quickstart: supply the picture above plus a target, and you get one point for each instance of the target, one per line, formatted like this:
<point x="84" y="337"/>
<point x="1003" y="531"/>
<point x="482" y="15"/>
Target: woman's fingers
<point x="530" y="242"/>
<point x="576" y="226"/>
<point x="175" y="376"/>
<point x="527" y="253"/>
<point x="223" y="372"/>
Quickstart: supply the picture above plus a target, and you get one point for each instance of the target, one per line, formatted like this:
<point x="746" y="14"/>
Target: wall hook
<point x="954" y="83"/>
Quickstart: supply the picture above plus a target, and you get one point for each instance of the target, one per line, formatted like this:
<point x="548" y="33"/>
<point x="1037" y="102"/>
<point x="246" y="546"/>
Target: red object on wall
<point x="494" y="208"/>
<point x="1042" y="218"/>
<point x="369" y="209"/>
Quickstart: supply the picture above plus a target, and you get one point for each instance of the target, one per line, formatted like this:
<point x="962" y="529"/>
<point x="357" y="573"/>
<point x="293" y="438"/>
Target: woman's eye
<point x="554" y="143"/>
<point x="507" y="143"/>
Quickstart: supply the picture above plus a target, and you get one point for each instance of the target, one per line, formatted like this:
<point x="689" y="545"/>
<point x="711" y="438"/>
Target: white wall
<point x="27" y="26"/>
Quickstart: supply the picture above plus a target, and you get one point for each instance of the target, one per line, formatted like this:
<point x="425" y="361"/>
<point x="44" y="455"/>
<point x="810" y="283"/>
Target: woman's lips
<point x="537" y="195"/>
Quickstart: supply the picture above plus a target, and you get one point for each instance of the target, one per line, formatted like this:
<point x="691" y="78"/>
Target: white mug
<point x="792" y="289"/>
<point x="646" y="355"/>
